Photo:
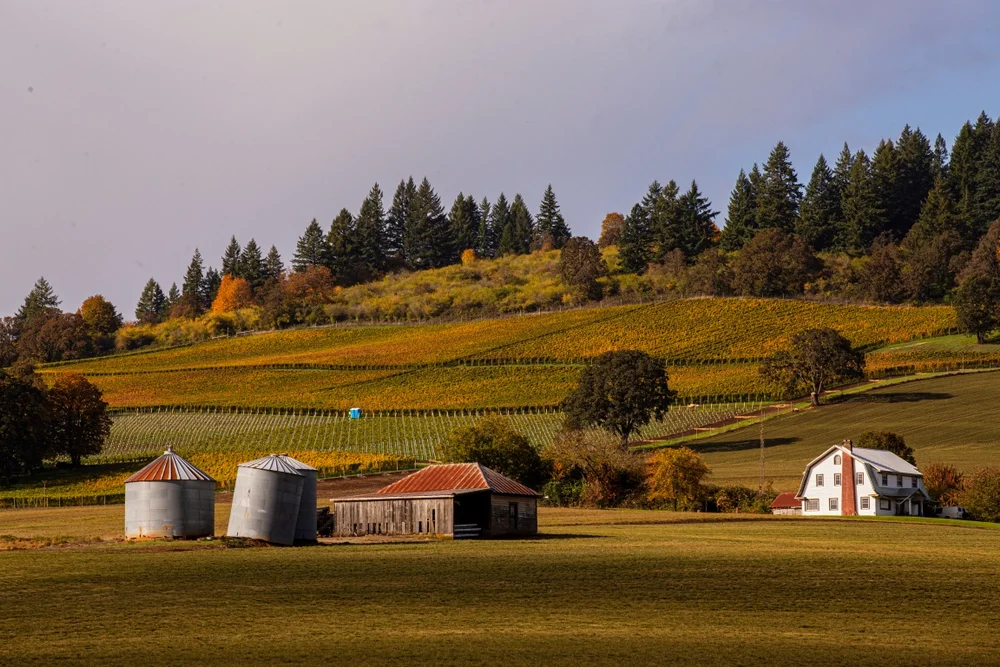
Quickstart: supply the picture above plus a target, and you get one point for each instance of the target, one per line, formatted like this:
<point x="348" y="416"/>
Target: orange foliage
<point x="312" y="285"/>
<point x="234" y="294"/>
<point x="468" y="256"/>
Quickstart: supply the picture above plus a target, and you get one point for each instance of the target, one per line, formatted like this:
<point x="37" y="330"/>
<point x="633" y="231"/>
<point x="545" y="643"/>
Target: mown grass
<point x="596" y="588"/>
<point x="950" y="419"/>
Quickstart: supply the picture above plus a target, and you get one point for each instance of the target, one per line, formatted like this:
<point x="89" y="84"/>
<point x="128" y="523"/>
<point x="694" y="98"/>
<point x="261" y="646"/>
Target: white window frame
<point x="865" y="503"/>
<point x="819" y="479"/>
<point x="861" y="478"/>
<point x="836" y="479"/>
<point x="837" y="460"/>
<point x="885" y="504"/>
<point x="833" y="504"/>
<point x="811" y="505"/>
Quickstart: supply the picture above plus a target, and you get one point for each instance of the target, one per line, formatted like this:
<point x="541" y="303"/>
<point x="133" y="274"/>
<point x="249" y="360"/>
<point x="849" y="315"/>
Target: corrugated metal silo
<point x="169" y="498"/>
<point x="305" y="527"/>
<point x="266" y="500"/>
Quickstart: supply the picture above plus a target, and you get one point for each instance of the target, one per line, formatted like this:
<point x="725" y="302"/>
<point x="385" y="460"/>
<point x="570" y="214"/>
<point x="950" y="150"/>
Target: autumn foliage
<point x="234" y="294"/>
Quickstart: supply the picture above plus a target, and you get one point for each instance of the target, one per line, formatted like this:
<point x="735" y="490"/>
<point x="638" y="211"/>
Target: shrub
<point x="944" y="483"/>
<point x="742" y="499"/>
<point x="675" y="475"/>
<point x="611" y="475"/>
<point x="981" y="497"/>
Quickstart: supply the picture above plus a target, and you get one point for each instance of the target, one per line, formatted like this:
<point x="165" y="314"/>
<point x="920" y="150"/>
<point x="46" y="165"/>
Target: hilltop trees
<point x="152" y="306"/>
<point x="816" y="359"/>
<point x="41" y="300"/>
<point x="741" y="218"/>
<point x="550" y="226"/>
<point x="311" y="248"/>
<point x="611" y="230"/>
<point x="780" y="192"/>
<point x="581" y="264"/>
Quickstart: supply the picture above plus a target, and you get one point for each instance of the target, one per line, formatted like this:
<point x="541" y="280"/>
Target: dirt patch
<point x="341" y="487"/>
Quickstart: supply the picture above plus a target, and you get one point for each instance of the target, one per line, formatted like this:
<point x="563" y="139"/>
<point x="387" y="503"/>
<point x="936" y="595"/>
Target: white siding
<point x="827" y="468"/>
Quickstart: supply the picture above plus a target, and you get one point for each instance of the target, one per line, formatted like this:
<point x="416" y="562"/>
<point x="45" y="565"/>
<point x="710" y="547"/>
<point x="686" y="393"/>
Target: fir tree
<point x="888" y="189"/>
<point x="273" y="266"/>
<point x="664" y="224"/>
<point x="937" y="215"/>
<point x="820" y="208"/>
<point x="915" y="180"/>
<point x="193" y="288"/>
<point x="939" y="166"/>
<point x="863" y="219"/>
<point x="40" y="300"/>
<point x="500" y="224"/>
<point x="152" y="304"/>
<point x="311" y="249"/>
<point x="341" y="258"/>
<point x="370" y="236"/>
<point x="426" y="244"/>
<point x="780" y="192"/>
<point x="651" y="203"/>
<point x="251" y="266"/>
<point x="695" y="222"/>
<point x="173" y="295"/>
<point x="463" y="225"/>
<point x="550" y="226"/>
<point x="986" y="198"/>
<point x="963" y="163"/>
<point x="523" y="226"/>
<point x="842" y="170"/>
<point x="741" y="218"/>
<point x="398" y="220"/>
<point x="486" y="244"/>
<point x="634" y="245"/>
<point x="231" y="259"/>
<point x="210" y="287"/>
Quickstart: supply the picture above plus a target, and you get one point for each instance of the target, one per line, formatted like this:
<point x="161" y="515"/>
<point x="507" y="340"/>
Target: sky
<point x="133" y="132"/>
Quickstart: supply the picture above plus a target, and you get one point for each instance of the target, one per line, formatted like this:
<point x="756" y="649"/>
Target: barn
<point x="460" y="500"/>
<point x="786" y="503"/>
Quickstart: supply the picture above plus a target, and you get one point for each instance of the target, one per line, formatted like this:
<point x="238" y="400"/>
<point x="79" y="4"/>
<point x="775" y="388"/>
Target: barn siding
<point x="400" y="516"/>
<point x="527" y="515"/>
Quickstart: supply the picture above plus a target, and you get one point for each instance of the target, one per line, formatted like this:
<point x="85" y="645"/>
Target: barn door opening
<point x="512" y="519"/>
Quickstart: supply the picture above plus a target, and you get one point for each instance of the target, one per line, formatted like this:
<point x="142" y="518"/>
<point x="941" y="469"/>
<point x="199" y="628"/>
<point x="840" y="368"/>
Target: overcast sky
<point x="132" y="132"/>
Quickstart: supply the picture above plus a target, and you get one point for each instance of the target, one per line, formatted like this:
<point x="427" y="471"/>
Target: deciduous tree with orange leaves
<point x="234" y="294"/>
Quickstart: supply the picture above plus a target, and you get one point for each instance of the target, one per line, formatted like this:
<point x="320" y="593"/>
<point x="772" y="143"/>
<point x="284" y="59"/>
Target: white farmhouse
<point x="848" y="481"/>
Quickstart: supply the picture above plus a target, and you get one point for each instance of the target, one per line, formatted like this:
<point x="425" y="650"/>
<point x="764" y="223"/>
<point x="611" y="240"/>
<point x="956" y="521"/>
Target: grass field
<point x="611" y="587"/>
<point x="951" y="419"/>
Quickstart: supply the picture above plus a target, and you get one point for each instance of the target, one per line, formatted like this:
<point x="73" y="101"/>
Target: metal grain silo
<point x="169" y="498"/>
<point x="266" y="500"/>
<point x="305" y="527"/>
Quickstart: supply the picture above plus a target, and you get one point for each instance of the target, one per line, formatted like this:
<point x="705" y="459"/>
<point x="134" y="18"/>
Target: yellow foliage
<point x="234" y="294"/>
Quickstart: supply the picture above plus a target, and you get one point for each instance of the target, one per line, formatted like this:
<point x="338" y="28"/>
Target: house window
<point x="812" y="506"/>
<point x="836" y="479"/>
<point x="833" y="504"/>
<point x="885" y="479"/>
<point x="861" y="478"/>
<point x="836" y="460"/>
<point x="884" y="504"/>
<point x="865" y="503"/>
<point x="819" y="480"/>
<point x="899" y="480"/>
<point x="913" y="482"/>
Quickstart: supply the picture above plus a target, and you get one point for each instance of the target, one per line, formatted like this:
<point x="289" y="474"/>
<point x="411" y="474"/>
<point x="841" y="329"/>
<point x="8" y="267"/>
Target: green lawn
<point x="598" y="588"/>
<point x="951" y="419"/>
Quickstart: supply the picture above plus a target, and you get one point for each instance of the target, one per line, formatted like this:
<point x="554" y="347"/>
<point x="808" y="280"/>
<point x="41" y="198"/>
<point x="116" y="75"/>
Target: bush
<point x="563" y="492"/>
<point x="944" y="483"/>
<point x="675" y="475"/>
<point x="981" y="497"/>
<point x="611" y="475"/>
<point x="495" y="444"/>
<point x="743" y="500"/>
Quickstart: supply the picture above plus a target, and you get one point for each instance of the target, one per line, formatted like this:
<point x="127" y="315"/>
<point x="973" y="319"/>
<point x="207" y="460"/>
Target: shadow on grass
<point x="895" y="397"/>
<point x="555" y="536"/>
<point x="739" y="445"/>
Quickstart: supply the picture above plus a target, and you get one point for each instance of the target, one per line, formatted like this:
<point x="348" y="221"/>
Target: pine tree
<point x="426" y="243"/>
<point x="251" y="266"/>
<point x="173" y="295"/>
<point x="780" y="192"/>
<point x="915" y="180"/>
<point x="863" y="219"/>
<point x="695" y="222"/>
<point x="342" y="260"/>
<point x="963" y="163"/>
<point x="398" y="220"/>
<point x="939" y="166"/>
<point x="664" y="223"/>
<point x="634" y="246"/>
<point x="523" y="225"/>
<point x="370" y="236"/>
<point x="550" y="226"/>
<point x="486" y="244"/>
<point x="463" y="225"/>
<point x="192" y="289"/>
<point x="311" y="249"/>
<point x="40" y="300"/>
<point x="937" y="216"/>
<point x="210" y="287"/>
<point x="986" y="199"/>
<point x="887" y="186"/>
<point x="231" y="259"/>
<point x="500" y="224"/>
<point x="152" y="304"/>
<point x="273" y="266"/>
<point x="820" y="208"/>
<point x="741" y="218"/>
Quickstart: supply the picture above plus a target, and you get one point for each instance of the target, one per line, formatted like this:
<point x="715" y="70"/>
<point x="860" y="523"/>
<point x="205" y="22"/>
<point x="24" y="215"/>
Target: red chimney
<point x="847" y="481"/>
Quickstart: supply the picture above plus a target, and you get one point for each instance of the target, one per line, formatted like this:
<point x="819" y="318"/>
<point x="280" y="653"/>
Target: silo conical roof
<point x="168" y="468"/>
<point x="274" y="463"/>
<point x="295" y="463"/>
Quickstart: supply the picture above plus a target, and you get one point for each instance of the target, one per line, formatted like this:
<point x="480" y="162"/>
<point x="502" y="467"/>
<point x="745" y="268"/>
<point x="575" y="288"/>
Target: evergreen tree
<point x="634" y="245"/>
<point x="939" y="166"/>
<point x="192" y="297"/>
<point x="463" y="225"/>
<point x="523" y="226"/>
<point x="741" y="218"/>
<point x="40" y="300"/>
<point x="486" y="244"/>
<point x="173" y="295"/>
<point x="341" y="253"/>
<point x="500" y="224"/>
<point x="311" y="249"/>
<point x="426" y="244"/>
<point x="915" y="180"/>
<point x="370" y="236"/>
<point x="231" y="259"/>
<point x="398" y="220"/>
<point x="888" y="190"/>
<point x="820" y="208"/>
<point x="664" y="224"/>
<point x="780" y="193"/>
<point x="251" y="266"/>
<point x="963" y="163"/>
<point x="210" y="287"/>
<point x="986" y="200"/>
<point x="938" y="214"/>
<point x="273" y="266"/>
<point x="152" y="304"/>
<point x="695" y="222"/>
<point x="863" y="219"/>
<point x="550" y="226"/>
<point x="842" y="171"/>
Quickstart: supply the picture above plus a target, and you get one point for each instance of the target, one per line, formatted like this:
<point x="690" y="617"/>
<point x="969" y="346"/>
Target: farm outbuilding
<point x="169" y="498"/>
<point x="461" y="500"/>
<point x="305" y="526"/>
<point x="266" y="501"/>
<point x="786" y="503"/>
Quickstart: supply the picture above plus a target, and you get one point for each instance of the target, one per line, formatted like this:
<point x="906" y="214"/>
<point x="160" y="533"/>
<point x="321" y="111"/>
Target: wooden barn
<point x="460" y="500"/>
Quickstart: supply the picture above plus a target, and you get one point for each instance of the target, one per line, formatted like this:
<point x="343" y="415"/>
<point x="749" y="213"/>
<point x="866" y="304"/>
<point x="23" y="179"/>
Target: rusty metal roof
<point x="169" y="468"/>
<point x="456" y="477"/>
<point x="274" y="463"/>
<point x="786" y="501"/>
